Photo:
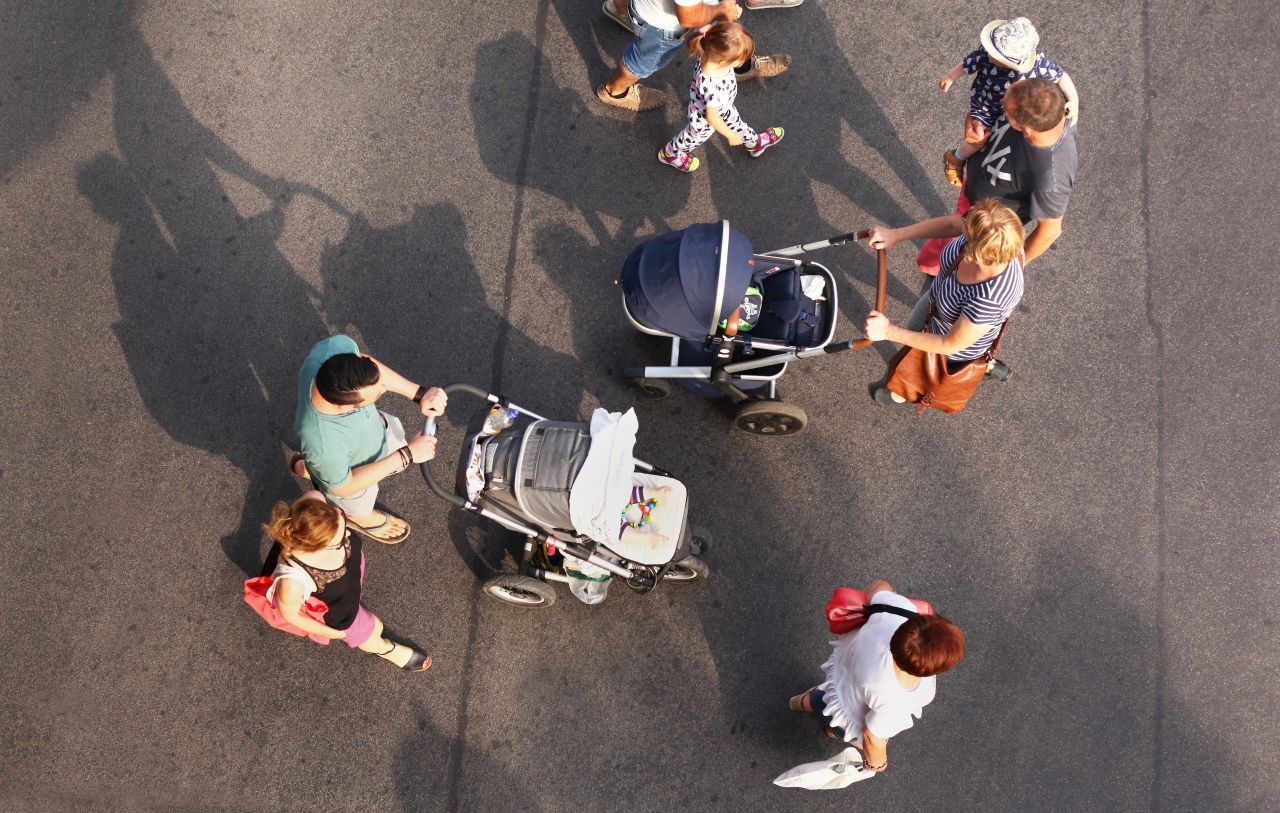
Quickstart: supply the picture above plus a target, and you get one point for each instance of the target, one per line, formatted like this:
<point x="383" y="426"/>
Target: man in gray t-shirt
<point x="1028" y="164"/>
<point x="1029" y="161"/>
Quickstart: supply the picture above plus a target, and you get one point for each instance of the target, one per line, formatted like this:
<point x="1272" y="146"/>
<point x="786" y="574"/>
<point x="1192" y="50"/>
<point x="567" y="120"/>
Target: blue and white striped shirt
<point x="989" y="302"/>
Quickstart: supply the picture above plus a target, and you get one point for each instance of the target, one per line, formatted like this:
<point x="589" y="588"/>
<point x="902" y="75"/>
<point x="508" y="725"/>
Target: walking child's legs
<point x="693" y="136"/>
<point x="734" y="122"/>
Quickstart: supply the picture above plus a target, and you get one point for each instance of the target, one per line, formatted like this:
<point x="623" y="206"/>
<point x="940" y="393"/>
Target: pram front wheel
<point x="770" y="418"/>
<point x="653" y="389"/>
<point x="688" y="569"/>
<point x="522" y="591"/>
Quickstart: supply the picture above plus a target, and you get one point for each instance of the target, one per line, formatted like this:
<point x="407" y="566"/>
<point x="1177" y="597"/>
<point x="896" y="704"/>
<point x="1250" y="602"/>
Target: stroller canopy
<point x="686" y="282"/>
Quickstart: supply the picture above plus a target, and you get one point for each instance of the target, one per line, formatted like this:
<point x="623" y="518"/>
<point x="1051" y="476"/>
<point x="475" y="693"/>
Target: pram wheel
<point x="688" y="569"/>
<point x="772" y="418"/>
<point x="700" y="540"/>
<point x="522" y="591"/>
<point x="653" y="389"/>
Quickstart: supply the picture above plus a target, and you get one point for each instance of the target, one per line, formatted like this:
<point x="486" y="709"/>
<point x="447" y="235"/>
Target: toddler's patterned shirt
<point x="992" y="80"/>
<point x="719" y="92"/>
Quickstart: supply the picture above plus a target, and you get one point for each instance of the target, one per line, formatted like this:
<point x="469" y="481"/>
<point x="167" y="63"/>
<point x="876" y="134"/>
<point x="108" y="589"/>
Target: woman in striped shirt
<point x="977" y="288"/>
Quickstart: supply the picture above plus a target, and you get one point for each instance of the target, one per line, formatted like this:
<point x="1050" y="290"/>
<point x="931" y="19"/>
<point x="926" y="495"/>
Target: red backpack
<point x="848" y="609"/>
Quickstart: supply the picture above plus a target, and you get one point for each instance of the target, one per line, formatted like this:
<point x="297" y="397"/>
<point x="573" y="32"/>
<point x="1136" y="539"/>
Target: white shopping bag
<point x="840" y="771"/>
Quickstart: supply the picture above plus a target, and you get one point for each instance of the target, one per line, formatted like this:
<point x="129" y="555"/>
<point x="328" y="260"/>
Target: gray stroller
<point x="522" y="477"/>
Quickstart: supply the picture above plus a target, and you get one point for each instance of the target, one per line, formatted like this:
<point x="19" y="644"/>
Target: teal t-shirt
<point x="335" y="444"/>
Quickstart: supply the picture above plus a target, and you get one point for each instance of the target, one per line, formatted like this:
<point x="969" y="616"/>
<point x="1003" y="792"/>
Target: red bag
<point x="846" y="611"/>
<point x="255" y="595"/>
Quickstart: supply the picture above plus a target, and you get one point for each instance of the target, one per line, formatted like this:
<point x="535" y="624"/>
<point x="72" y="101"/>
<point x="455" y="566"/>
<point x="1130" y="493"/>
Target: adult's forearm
<point x="700" y="15"/>
<point x="945" y="226"/>
<point x="1041" y="239"/>
<point x="371" y="474"/>
<point x="395" y="382"/>
<point x="874" y="750"/>
<point x="920" y="340"/>
<point x="310" y="625"/>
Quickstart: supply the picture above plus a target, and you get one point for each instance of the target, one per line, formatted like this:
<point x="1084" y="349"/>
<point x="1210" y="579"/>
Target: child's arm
<point x="951" y="76"/>
<point x="1073" y="100"/>
<point x="713" y="118"/>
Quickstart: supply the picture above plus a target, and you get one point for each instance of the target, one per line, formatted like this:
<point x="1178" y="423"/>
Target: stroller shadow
<point x="212" y="315"/>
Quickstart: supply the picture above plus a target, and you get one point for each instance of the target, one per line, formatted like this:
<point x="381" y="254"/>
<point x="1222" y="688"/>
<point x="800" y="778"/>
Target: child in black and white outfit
<point x="1008" y="54"/>
<point x="720" y="48"/>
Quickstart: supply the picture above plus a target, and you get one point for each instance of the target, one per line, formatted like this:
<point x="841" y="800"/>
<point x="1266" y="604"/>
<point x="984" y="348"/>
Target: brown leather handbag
<point x="923" y="379"/>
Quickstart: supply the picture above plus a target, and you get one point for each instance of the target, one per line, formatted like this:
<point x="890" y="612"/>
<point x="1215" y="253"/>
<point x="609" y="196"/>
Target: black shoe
<point x="1000" y="372"/>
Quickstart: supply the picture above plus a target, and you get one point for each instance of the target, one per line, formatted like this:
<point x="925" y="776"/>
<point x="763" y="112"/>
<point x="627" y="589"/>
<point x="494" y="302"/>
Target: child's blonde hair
<point x="724" y="42"/>
<point x="994" y="233"/>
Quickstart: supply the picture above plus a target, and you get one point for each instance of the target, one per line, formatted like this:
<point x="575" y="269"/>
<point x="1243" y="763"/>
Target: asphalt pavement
<point x="192" y="194"/>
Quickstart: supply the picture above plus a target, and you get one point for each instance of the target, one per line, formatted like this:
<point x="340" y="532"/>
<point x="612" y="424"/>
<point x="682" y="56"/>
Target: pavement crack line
<point x="457" y="757"/>
<point x="1157" y="334"/>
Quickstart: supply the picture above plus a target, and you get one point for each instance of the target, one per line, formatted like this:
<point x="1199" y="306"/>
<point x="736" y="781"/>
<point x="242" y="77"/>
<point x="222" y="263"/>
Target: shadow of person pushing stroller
<point x="412" y="292"/>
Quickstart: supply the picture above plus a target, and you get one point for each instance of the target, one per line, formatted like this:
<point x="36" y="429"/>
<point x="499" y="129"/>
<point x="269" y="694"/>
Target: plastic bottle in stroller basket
<point x="588" y="583"/>
<point x="499" y="419"/>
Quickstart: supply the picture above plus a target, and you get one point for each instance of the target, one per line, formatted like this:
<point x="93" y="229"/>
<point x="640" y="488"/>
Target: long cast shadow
<point x="212" y="317"/>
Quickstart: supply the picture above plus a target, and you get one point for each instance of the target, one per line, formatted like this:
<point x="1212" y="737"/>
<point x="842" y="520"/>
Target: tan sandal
<point x="382" y="531"/>
<point x="954" y="168"/>
<point x="803" y="702"/>
<point x="637" y="99"/>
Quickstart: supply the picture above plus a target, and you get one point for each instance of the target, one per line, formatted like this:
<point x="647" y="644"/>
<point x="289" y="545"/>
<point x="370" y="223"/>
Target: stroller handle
<point x="429" y="429"/>
<point x="882" y="282"/>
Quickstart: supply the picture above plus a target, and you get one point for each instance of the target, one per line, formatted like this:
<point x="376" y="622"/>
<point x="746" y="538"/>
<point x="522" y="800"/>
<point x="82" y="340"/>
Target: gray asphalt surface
<point x="192" y="194"/>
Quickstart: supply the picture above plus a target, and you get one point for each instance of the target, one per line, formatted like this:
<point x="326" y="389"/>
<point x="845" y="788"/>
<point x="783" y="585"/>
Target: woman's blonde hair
<point x="994" y="233"/>
<point x="306" y="526"/>
<point x="724" y="42"/>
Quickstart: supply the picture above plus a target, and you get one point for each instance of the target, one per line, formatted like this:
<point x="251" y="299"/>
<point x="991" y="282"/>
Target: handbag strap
<point x="889" y="608"/>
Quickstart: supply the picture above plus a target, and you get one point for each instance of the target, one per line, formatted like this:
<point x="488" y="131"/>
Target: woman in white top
<point x="881" y="675"/>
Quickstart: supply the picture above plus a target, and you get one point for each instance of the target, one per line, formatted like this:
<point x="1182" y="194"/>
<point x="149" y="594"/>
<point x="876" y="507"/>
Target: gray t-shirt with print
<point x="1035" y="182"/>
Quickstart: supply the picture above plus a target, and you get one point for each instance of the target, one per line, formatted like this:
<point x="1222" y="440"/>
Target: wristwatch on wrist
<point x="418" y="396"/>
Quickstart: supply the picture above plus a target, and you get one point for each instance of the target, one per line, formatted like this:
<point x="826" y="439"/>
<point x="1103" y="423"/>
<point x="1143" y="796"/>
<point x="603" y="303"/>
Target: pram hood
<point x="686" y="282"/>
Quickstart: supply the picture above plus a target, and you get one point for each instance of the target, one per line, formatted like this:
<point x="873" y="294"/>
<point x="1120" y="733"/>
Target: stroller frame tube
<point x="567" y="547"/>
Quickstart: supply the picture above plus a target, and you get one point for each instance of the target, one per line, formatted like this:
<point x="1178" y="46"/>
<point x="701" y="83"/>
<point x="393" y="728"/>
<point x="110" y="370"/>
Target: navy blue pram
<point x="735" y="318"/>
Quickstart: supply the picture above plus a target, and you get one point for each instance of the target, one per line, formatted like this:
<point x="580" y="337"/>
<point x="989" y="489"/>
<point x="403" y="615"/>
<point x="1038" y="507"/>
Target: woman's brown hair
<point x="927" y="645"/>
<point x="723" y="42"/>
<point x="305" y="526"/>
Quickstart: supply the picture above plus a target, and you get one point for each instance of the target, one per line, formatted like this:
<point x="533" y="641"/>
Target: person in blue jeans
<point x="659" y="27"/>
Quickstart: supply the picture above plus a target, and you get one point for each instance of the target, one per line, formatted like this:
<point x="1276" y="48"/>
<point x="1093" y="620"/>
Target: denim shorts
<point x="651" y="49"/>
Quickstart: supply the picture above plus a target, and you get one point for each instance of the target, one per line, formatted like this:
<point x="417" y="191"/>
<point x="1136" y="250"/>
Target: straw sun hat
<point x="1012" y="42"/>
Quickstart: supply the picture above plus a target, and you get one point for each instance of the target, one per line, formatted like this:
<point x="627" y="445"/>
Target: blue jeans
<point x="651" y="49"/>
<point x="819" y="705"/>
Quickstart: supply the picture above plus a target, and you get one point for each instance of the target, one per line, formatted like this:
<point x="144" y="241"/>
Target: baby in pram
<point x="641" y="511"/>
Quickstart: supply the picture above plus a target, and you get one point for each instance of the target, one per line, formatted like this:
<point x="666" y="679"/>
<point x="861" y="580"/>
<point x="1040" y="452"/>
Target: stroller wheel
<point x="701" y="540"/>
<point x="688" y="569"/>
<point x="772" y="418"/>
<point x="522" y="591"/>
<point x="654" y="389"/>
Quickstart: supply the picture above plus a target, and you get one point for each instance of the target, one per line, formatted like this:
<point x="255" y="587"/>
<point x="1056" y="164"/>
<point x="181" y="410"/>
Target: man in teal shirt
<point x="348" y="445"/>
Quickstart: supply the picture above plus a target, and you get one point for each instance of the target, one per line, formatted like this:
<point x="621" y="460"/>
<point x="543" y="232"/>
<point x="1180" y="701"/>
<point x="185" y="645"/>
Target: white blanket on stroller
<point x="603" y="485"/>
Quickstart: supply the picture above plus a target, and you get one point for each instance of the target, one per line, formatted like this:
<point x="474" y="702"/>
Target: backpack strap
<point x="889" y="608"/>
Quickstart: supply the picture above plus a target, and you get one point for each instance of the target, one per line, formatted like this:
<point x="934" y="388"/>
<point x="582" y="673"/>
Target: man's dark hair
<point x="340" y="378"/>
<point x="1040" y="103"/>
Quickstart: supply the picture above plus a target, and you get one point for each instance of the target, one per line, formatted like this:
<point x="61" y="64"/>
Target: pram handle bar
<point x="882" y="282"/>
<point x="804" y="248"/>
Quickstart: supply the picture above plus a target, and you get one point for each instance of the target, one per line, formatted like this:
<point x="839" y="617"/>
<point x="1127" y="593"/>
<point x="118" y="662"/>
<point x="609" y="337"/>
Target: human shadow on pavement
<point x="51" y="56"/>
<point x="579" y="155"/>
<point x="440" y="328"/>
<point x="213" y="319"/>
